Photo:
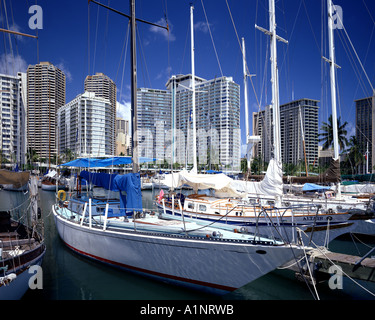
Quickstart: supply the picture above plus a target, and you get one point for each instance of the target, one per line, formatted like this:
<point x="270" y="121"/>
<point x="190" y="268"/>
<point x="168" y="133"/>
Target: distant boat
<point x="51" y="181"/>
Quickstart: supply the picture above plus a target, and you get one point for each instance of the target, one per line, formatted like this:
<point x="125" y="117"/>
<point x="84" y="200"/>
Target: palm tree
<point x="355" y="155"/>
<point x="327" y="135"/>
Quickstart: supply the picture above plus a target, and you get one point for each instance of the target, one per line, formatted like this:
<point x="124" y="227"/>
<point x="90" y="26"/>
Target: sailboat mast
<point x="246" y="99"/>
<point x="275" y="84"/>
<point x="193" y="90"/>
<point x="336" y="155"/>
<point x="133" y="74"/>
<point x="134" y="89"/>
<point x="333" y="79"/>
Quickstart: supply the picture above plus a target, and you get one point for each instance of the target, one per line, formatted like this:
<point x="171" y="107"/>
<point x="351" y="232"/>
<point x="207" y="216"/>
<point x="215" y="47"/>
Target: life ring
<point x="61" y="192"/>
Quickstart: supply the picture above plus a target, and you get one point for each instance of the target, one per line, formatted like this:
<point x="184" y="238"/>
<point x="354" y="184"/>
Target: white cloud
<point x="16" y="28"/>
<point x="165" y="73"/>
<point x="123" y="111"/>
<point x="163" y="32"/>
<point x="64" y="69"/>
<point x="243" y="150"/>
<point x="202" y="26"/>
<point x="351" y="130"/>
<point x="10" y="64"/>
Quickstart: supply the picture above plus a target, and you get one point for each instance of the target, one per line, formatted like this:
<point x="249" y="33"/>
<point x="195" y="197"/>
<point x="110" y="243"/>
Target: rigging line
<point x="312" y="29"/>
<point x="362" y="287"/>
<point x="367" y="52"/>
<point x="88" y="39"/>
<point x="352" y="62"/>
<point x="287" y="47"/>
<point x="96" y="39"/>
<point x="354" y="65"/>
<point x="186" y="40"/>
<point x="4" y="37"/>
<point x="123" y="69"/>
<point x="238" y="39"/>
<point x="106" y="38"/>
<point x="368" y="11"/>
<point x="144" y="60"/>
<point x="359" y="60"/>
<point x="212" y="39"/>
<point x="15" y="37"/>
<point x="123" y="51"/>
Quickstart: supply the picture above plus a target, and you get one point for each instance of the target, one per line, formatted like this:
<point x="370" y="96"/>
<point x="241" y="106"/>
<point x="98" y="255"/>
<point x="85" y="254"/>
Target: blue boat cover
<point x="97" y="163"/>
<point x="130" y="183"/>
<point x="314" y="187"/>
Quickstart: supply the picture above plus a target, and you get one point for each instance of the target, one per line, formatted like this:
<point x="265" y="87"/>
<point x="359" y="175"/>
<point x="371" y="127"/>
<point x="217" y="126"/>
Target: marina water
<point x="69" y="276"/>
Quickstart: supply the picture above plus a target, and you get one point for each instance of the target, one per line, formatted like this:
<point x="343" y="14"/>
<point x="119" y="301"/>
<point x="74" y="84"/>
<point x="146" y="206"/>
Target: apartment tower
<point x="84" y="126"/>
<point x="298" y="122"/>
<point x="45" y="95"/>
<point x="104" y="87"/>
<point x="13" y="118"/>
<point x="365" y="131"/>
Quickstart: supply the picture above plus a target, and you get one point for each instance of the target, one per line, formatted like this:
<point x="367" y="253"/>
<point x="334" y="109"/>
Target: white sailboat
<point x="333" y="202"/>
<point x="262" y="205"/>
<point x="182" y="253"/>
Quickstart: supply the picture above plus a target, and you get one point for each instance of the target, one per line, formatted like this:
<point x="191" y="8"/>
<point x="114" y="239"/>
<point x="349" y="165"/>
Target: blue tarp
<point x="130" y="183"/>
<point x="213" y="171"/>
<point x="81" y="162"/>
<point x="97" y="163"/>
<point x="314" y="187"/>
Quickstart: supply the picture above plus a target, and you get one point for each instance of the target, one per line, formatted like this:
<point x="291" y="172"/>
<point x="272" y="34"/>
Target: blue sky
<point x="83" y="39"/>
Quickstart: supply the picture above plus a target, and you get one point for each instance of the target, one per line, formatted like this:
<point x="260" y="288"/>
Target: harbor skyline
<point x="98" y="39"/>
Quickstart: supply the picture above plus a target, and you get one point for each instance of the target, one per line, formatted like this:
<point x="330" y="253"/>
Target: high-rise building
<point x="365" y="130"/>
<point x="217" y="122"/>
<point x="104" y="87"/>
<point x="13" y="117"/>
<point x="123" y="141"/>
<point x="298" y="120"/>
<point x="154" y="123"/>
<point x="45" y="95"/>
<point x="85" y="127"/>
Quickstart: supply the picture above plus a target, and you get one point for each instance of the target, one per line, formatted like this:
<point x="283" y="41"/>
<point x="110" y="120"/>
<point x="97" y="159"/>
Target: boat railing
<point x="85" y="216"/>
<point x="279" y="214"/>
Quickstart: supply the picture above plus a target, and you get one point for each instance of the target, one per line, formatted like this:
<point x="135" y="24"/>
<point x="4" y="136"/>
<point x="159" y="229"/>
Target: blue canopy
<point x="130" y="183"/>
<point x="81" y="162"/>
<point x="213" y="171"/>
<point x="314" y="187"/>
<point x="97" y="163"/>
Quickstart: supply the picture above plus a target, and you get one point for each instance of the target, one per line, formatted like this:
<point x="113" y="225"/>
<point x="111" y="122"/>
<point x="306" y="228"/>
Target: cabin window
<point x="202" y="208"/>
<point x="191" y="205"/>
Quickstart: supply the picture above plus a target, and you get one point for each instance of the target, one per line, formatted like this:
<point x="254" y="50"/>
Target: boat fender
<point x="61" y="195"/>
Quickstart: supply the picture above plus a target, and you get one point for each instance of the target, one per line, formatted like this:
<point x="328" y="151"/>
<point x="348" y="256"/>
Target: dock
<point x="358" y="268"/>
<point x="352" y="266"/>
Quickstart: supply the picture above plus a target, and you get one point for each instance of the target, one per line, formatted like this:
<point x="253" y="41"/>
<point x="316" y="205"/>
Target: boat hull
<point x="211" y="265"/>
<point x="321" y="229"/>
<point x="17" y="288"/>
<point x="51" y="187"/>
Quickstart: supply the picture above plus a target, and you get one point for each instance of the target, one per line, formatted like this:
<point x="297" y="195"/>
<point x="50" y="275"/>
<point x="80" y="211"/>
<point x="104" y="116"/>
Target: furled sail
<point x="17" y="179"/>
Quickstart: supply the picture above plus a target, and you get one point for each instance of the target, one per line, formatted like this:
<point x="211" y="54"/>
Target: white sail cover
<point x="271" y="185"/>
<point x="218" y="182"/>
